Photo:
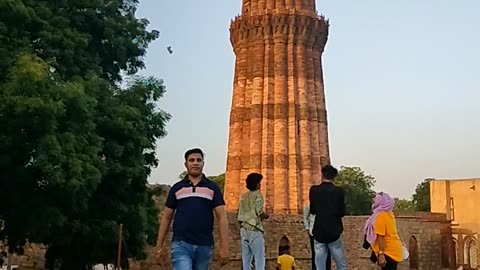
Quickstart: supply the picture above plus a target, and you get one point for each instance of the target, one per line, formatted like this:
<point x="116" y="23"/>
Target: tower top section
<point x="259" y="7"/>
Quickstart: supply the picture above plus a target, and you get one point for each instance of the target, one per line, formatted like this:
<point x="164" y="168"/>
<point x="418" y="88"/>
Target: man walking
<point x="250" y="216"/>
<point x="327" y="203"/>
<point x="192" y="202"/>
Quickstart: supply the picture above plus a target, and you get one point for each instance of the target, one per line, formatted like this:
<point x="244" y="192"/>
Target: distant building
<point x="459" y="199"/>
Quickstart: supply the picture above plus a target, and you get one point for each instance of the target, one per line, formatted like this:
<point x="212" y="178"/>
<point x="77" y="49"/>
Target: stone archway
<point x="471" y="253"/>
<point x="413" y="249"/>
<point x="284" y="242"/>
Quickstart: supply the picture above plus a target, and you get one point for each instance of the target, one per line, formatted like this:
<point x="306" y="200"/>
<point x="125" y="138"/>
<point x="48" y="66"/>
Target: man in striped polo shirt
<point x="191" y="203"/>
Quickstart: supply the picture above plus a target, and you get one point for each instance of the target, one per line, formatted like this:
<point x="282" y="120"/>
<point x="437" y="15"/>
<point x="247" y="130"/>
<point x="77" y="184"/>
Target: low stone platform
<point x="428" y="237"/>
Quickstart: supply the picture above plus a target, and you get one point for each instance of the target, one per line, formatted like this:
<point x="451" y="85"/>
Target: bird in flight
<point x="169" y="49"/>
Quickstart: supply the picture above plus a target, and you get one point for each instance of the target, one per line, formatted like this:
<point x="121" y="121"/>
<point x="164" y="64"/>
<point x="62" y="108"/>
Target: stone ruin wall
<point x="427" y="232"/>
<point x="427" y="229"/>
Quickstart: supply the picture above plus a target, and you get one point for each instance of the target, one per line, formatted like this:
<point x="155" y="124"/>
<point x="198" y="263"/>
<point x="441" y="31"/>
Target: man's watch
<point x="380" y="252"/>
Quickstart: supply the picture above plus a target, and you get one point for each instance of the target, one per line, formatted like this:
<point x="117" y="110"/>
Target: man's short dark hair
<point x="329" y="172"/>
<point x="193" y="151"/>
<point x="252" y="181"/>
<point x="283" y="250"/>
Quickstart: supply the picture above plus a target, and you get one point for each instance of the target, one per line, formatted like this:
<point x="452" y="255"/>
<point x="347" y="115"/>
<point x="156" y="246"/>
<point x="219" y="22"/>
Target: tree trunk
<point x="9" y="261"/>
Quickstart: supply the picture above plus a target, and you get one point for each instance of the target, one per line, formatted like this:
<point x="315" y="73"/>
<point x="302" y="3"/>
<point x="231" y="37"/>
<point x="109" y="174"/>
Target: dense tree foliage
<point x="358" y="190"/>
<point x="219" y="180"/>
<point x="75" y="37"/>
<point x="421" y="197"/>
<point x="404" y="205"/>
<point x="75" y="149"/>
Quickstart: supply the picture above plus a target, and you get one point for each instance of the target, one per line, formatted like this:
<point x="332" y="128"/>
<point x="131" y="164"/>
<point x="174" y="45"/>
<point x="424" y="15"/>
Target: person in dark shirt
<point x="327" y="203"/>
<point x="191" y="203"/>
<point x="309" y="220"/>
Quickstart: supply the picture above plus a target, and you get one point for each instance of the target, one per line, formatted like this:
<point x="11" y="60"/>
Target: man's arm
<point x="306" y="215"/>
<point x="221" y="216"/>
<point x="167" y="215"/>
<point x="163" y="228"/>
<point x="259" y="207"/>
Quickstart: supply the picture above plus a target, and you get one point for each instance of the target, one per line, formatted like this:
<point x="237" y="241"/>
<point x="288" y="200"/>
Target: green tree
<point x="358" y="190"/>
<point x="49" y="151"/>
<point x="130" y="125"/>
<point x="421" y="197"/>
<point x="404" y="205"/>
<point x="182" y="175"/>
<point x="219" y="180"/>
<point x="74" y="160"/>
<point x="75" y="149"/>
<point x="75" y="37"/>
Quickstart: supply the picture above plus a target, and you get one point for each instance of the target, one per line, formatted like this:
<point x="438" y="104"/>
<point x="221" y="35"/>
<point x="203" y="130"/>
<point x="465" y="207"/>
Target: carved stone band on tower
<point x="278" y="119"/>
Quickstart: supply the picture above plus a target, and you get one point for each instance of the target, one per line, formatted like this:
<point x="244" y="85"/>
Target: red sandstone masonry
<point x="278" y="121"/>
<point x="427" y="229"/>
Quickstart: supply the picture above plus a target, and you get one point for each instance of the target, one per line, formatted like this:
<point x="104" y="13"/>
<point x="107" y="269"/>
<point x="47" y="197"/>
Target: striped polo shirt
<point x="193" y="205"/>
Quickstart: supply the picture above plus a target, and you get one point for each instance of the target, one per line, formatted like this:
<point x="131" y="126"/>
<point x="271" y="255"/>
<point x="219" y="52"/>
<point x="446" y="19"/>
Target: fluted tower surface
<point x="278" y="119"/>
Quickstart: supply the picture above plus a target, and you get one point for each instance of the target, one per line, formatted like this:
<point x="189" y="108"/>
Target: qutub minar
<point x="278" y="119"/>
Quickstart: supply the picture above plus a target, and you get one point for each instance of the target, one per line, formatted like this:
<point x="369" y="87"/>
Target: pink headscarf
<point x="383" y="203"/>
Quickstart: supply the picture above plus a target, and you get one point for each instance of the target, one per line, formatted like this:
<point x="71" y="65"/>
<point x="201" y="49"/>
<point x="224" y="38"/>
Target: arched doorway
<point x="413" y="249"/>
<point x="471" y="253"/>
<point x="284" y="242"/>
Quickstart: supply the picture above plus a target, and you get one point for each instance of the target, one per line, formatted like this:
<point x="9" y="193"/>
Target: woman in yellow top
<point x="381" y="232"/>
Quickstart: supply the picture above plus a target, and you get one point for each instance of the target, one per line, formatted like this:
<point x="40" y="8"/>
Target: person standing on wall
<point x="250" y="216"/>
<point x="327" y="203"/>
<point x="285" y="261"/>
<point x="308" y="222"/>
<point x="381" y="233"/>
<point x="191" y="202"/>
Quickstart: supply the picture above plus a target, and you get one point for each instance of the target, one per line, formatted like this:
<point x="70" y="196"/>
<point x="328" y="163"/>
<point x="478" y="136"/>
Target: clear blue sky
<point x="402" y="81"/>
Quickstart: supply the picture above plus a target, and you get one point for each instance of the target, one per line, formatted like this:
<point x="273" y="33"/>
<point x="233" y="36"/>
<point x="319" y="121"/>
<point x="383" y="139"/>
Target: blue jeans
<point x="186" y="256"/>
<point x="336" y="250"/>
<point x="253" y="245"/>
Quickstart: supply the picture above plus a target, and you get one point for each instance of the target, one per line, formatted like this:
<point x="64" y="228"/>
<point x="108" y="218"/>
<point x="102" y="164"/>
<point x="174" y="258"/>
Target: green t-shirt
<point x="250" y="210"/>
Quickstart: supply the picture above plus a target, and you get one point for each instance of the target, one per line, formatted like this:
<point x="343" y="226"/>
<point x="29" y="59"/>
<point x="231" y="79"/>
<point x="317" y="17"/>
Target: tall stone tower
<point x="278" y="120"/>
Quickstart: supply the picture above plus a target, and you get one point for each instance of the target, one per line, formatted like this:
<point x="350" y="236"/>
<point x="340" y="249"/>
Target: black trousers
<point x="391" y="264"/>
<point x="329" y="258"/>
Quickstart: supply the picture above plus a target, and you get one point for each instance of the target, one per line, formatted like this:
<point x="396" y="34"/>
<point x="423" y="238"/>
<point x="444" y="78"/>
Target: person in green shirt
<point x="250" y="216"/>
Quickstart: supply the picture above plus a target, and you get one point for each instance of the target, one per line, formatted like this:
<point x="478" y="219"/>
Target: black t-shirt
<point x="327" y="203"/>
